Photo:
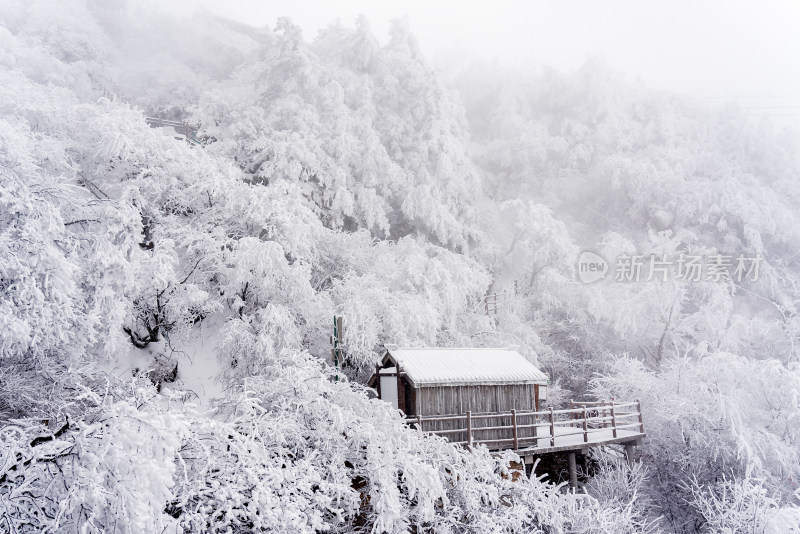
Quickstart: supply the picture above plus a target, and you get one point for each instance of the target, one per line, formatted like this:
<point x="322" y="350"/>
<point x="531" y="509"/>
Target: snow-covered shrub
<point x="405" y="292"/>
<point x="39" y="293"/>
<point x="165" y="300"/>
<point x="616" y="484"/>
<point x="743" y="506"/>
<point x="720" y="415"/>
<point x="109" y="471"/>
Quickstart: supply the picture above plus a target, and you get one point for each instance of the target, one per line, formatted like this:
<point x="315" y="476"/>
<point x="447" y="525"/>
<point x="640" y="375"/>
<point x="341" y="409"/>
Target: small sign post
<point x="336" y="340"/>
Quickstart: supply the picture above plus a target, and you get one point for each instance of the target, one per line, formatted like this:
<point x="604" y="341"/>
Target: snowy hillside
<point x="166" y="307"/>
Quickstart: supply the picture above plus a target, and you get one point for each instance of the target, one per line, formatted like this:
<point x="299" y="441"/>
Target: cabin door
<point x="389" y="386"/>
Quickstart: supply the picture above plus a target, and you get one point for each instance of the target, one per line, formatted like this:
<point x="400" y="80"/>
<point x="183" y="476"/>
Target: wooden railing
<point x="180" y="127"/>
<point x="595" y="422"/>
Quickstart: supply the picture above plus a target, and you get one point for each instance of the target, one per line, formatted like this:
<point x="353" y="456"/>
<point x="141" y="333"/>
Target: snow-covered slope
<point x="337" y="177"/>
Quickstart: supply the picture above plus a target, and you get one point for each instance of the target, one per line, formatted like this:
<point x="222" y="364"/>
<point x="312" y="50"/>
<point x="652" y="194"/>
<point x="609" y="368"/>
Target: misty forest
<point x="186" y="203"/>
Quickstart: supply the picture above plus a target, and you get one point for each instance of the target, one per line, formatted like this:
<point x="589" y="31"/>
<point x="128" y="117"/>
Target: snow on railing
<point x="594" y="422"/>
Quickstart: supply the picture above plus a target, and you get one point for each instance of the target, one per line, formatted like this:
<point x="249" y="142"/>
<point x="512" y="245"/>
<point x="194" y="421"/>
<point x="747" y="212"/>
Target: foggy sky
<point x="714" y="51"/>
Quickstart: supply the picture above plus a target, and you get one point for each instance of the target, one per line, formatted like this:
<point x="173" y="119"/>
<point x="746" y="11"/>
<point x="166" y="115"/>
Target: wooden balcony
<point x="589" y="424"/>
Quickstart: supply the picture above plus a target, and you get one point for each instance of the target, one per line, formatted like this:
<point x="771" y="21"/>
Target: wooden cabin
<point x="490" y="397"/>
<point x="447" y="381"/>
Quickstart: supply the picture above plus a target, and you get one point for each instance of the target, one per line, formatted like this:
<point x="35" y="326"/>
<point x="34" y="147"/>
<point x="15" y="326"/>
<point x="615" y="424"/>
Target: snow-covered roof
<point x="461" y="366"/>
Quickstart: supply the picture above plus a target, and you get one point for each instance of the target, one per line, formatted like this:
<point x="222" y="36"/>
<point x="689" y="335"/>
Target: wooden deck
<point x="534" y="433"/>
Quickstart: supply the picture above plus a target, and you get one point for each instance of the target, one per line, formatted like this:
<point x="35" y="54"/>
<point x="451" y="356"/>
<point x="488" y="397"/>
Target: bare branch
<point x="81" y="221"/>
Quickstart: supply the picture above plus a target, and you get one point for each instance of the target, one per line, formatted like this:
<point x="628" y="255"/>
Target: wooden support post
<point x="629" y="453"/>
<point x="338" y="339"/>
<point x="613" y="421"/>
<point x="378" y="374"/>
<point x="419" y="422"/>
<point x="573" y="471"/>
<point x="552" y="429"/>
<point x="469" y="429"/>
<point x="514" y="428"/>
<point x="639" y="409"/>
<point x="585" y="429"/>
